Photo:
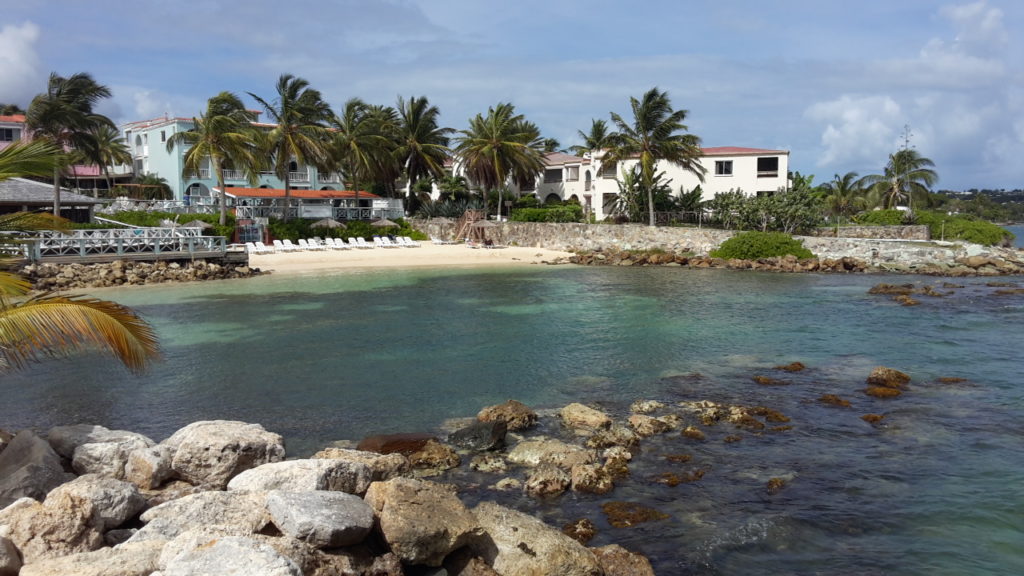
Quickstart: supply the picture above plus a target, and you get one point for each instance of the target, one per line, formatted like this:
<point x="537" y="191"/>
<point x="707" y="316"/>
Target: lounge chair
<point x="314" y="244"/>
<point x="387" y="243"/>
<point x="304" y="245"/>
<point x="330" y="245"/>
<point x="409" y="242"/>
<point x="362" y="243"/>
<point x="289" y="245"/>
<point x="263" y="248"/>
<point x="280" y="247"/>
<point x="251" y="248"/>
<point x="440" y="241"/>
<point x="352" y="243"/>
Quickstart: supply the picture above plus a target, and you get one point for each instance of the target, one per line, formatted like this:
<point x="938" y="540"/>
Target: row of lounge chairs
<point x="312" y="244"/>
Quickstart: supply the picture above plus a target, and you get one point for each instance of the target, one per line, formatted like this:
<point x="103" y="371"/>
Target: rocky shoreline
<point x="60" y="277"/>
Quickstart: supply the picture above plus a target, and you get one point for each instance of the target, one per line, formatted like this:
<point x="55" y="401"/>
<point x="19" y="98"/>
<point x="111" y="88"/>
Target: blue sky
<point x="833" y="82"/>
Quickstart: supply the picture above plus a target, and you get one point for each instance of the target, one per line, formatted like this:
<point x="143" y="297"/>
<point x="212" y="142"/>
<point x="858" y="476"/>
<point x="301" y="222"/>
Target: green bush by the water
<point x="967" y="228"/>
<point x="882" y="218"/>
<point x="755" y="245"/>
<point x="566" y="213"/>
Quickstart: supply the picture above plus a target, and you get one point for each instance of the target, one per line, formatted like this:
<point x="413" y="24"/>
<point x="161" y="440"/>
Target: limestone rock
<point x="10" y="558"/>
<point x="60" y="526"/>
<point x="382" y="466"/>
<point x="577" y="416"/>
<point x="614" y="436"/>
<point x="434" y="456"/>
<point x="515" y="414"/>
<point x="481" y="436"/>
<point x="322" y="519"/>
<point x="405" y="443"/>
<point x="210" y="453"/>
<point x="305" y="476"/>
<point x="887" y="378"/>
<point x="617" y="561"/>
<point x="549" y="450"/>
<point x="489" y="463"/>
<point x="592" y="479"/>
<point x="29" y="468"/>
<point x="645" y="406"/>
<point x="421" y="521"/>
<point x="228" y="556"/>
<point x="107" y="458"/>
<point x="547" y="480"/>
<point x="5" y="438"/>
<point x="113" y="501"/>
<point x="464" y="563"/>
<point x="647" y="425"/>
<point x="516" y="543"/>
<point x="65" y="439"/>
<point x="149" y="468"/>
<point x="139" y="559"/>
<point x="245" y="510"/>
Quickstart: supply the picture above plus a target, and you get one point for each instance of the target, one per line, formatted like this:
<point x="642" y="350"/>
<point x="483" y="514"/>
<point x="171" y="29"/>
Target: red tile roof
<point x="16" y="118"/>
<point x="738" y="151"/>
<point x="560" y="158"/>
<point x="302" y="194"/>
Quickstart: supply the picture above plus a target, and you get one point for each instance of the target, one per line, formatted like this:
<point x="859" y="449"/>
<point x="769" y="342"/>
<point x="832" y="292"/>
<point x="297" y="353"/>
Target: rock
<point x="107" y="458"/>
<point x="592" y="479"/>
<point x="580" y="417"/>
<point x="404" y="444"/>
<point x="60" y="526"/>
<point x="227" y="556"/>
<point x="517" y="543"/>
<point x="321" y="519"/>
<point x="149" y="468"/>
<point x="833" y="400"/>
<point x="10" y="558"/>
<point x="481" y="436"/>
<point x="434" y="456"/>
<point x="792" y="367"/>
<point x="382" y="466"/>
<point x="245" y="510"/>
<point x="421" y="521"/>
<point x="547" y="480"/>
<point x="550" y="451"/>
<point x="882" y="392"/>
<point x="305" y="476"/>
<point x="615" y="436"/>
<point x="5" y="438"/>
<point x="29" y="467"/>
<point x="766" y="381"/>
<point x="645" y="406"/>
<point x="616" y="461"/>
<point x="872" y="418"/>
<point x="888" y="378"/>
<point x="137" y="559"/>
<point x="507" y="485"/>
<point x="210" y="453"/>
<point x="489" y="463"/>
<point x="626" y="514"/>
<point x="617" y="561"/>
<point x="582" y="530"/>
<point x="648" y="426"/>
<point x="65" y="439"/>
<point x="113" y="501"/>
<point x="463" y="562"/>
<point x="515" y="414"/>
<point x="693" y="433"/>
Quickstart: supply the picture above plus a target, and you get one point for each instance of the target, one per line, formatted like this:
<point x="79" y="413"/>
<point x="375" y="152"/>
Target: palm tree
<point x="222" y="135"/>
<point x="108" y="149"/>
<point x="907" y="174"/>
<point x="10" y="109"/>
<point x="64" y="116"/>
<point x="500" y="146"/>
<point x="48" y="325"/>
<point x="361" y="145"/>
<point x="300" y="133"/>
<point x="422" y="143"/>
<point x="844" y="195"/>
<point x="598" y="138"/>
<point x="656" y="133"/>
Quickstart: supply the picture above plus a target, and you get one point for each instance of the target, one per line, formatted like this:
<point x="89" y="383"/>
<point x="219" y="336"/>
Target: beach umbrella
<point x="197" y="224"/>
<point x="383" y="223"/>
<point x="327" y="223"/>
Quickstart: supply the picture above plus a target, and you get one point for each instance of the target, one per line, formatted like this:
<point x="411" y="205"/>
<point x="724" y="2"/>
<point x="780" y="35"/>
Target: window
<point x="10" y="134"/>
<point x="723" y="167"/>
<point x="608" y="171"/>
<point x="552" y="175"/>
<point x="572" y="174"/>
<point x="768" y="167"/>
<point x="163" y="136"/>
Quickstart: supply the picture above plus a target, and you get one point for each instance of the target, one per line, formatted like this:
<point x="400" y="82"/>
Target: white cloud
<point x="979" y="28"/>
<point x="858" y="129"/>
<point x="21" y="75"/>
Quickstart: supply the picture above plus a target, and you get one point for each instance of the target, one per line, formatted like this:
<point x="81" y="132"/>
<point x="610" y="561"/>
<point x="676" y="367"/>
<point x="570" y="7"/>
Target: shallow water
<point x="935" y="488"/>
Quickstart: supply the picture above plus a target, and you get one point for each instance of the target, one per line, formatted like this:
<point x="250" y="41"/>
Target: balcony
<point x="768" y="174"/>
<point x="298" y="176"/>
<point x="204" y="173"/>
<point x="234" y="175"/>
<point x="330" y="178"/>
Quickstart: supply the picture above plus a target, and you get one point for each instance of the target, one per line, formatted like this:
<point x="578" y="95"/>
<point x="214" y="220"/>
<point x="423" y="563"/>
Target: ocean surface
<point x="936" y="487"/>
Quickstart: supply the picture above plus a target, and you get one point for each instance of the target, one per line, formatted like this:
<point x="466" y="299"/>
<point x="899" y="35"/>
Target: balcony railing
<point x="298" y="176"/>
<point x="204" y="173"/>
<point x="330" y="178"/>
<point x="234" y="175"/>
<point x="768" y="174"/>
<point x="122" y="241"/>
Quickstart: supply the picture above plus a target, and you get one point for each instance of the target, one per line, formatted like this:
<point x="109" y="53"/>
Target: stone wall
<point x="56" y="277"/>
<point x="876" y="232"/>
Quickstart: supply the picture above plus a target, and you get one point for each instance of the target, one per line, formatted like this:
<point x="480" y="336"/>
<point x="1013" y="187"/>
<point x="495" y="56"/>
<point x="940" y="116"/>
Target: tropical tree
<point x="108" y="149"/>
<point x="222" y="136"/>
<point x="598" y="138"/>
<point x="844" y="196"/>
<point x="551" y="145"/>
<point x="500" y="146"/>
<point x="64" y="116"/>
<point x="300" y="133"/>
<point x="361" y="145"/>
<point x="907" y="175"/>
<point x="47" y="325"/>
<point x="656" y="133"/>
<point x="10" y="109"/>
<point x="422" y="144"/>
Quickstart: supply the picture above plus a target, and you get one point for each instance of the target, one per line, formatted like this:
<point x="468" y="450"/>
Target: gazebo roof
<point x="19" y="191"/>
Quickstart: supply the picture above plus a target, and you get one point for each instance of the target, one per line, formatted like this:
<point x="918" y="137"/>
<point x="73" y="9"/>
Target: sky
<point x="835" y="83"/>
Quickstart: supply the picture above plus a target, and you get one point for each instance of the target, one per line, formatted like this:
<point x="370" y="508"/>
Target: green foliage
<point x="791" y="212"/>
<point x="967" y="228"/>
<point x="449" y="208"/>
<point x="632" y="201"/>
<point x="155" y="219"/>
<point x="299" y="228"/>
<point x="755" y="245"/>
<point x="527" y="201"/>
<point x="883" y="218"/>
<point x="566" y="213"/>
<point x="725" y="209"/>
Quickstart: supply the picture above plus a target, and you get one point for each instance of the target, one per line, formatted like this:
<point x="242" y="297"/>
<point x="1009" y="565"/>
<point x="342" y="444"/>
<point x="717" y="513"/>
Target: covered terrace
<point x="312" y="204"/>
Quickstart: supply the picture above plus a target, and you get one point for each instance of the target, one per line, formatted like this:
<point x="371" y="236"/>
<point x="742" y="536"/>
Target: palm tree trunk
<point x="106" y="178"/>
<point x="650" y="204"/>
<point x="223" y="194"/>
<point x="56" y="192"/>
<point x="287" y="195"/>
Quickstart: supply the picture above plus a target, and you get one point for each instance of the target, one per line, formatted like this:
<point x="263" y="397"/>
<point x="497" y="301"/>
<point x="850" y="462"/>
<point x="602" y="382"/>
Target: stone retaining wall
<point x="876" y="232"/>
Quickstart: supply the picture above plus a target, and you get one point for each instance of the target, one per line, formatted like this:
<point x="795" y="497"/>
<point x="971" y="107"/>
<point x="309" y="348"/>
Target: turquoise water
<point x="936" y="488"/>
<point x="1018" y="231"/>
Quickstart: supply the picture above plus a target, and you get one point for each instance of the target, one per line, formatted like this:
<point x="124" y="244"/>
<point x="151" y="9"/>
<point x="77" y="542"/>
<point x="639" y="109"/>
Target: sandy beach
<point x="426" y="255"/>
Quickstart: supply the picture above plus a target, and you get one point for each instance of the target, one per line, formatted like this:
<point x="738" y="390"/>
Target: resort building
<point x="12" y="129"/>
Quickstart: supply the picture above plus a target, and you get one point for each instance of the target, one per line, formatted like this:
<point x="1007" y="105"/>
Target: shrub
<point x="755" y="245"/>
<point x="883" y="218"/>
<point x="967" y="228"/>
<point x="568" y="213"/>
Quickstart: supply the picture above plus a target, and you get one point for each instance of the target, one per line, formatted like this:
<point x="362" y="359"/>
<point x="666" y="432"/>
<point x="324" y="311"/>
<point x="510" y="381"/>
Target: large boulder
<point x="149" y="468"/>
<point x="60" y="526"/>
<point x="421" y="521"/>
<point x="107" y="458"/>
<point x="584" y="418"/>
<point x="617" y="561"/>
<point x="224" y="556"/>
<point x="305" y="476"/>
<point x="382" y="466"/>
<point x="321" y="519"/>
<point x="405" y="443"/>
<point x="10" y="558"/>
<point x="480" y="436"/>
<point x="648" y="425"/>
<point x="550" y="451"/>
<point x="210" y="453"/>
<point x="66" y="439"/>
<point x="434" y="456"/>
<point x="137" y="559"/>
<point x="29" y="468"/>
<point x="887" y="378"/>
<point x="246" y="511"/>
<point x="113" y="501"/>
<point x="547" y="480"/>
<point x="515" y="415"/>
<point x="517" y="543"/>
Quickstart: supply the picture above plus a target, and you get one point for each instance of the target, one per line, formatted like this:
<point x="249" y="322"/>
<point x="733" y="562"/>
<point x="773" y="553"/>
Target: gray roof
<point x="30" y="192"/>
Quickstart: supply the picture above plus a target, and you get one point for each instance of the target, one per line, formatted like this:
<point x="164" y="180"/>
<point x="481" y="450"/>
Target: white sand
<point x="427" y="255"/>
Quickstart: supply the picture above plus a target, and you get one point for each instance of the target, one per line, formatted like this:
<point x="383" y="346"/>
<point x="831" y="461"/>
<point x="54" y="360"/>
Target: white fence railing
<point x="121" y="242"/>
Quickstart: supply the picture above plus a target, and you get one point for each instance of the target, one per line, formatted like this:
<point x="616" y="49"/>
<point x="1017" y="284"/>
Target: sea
<point x="935" y="487"/>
